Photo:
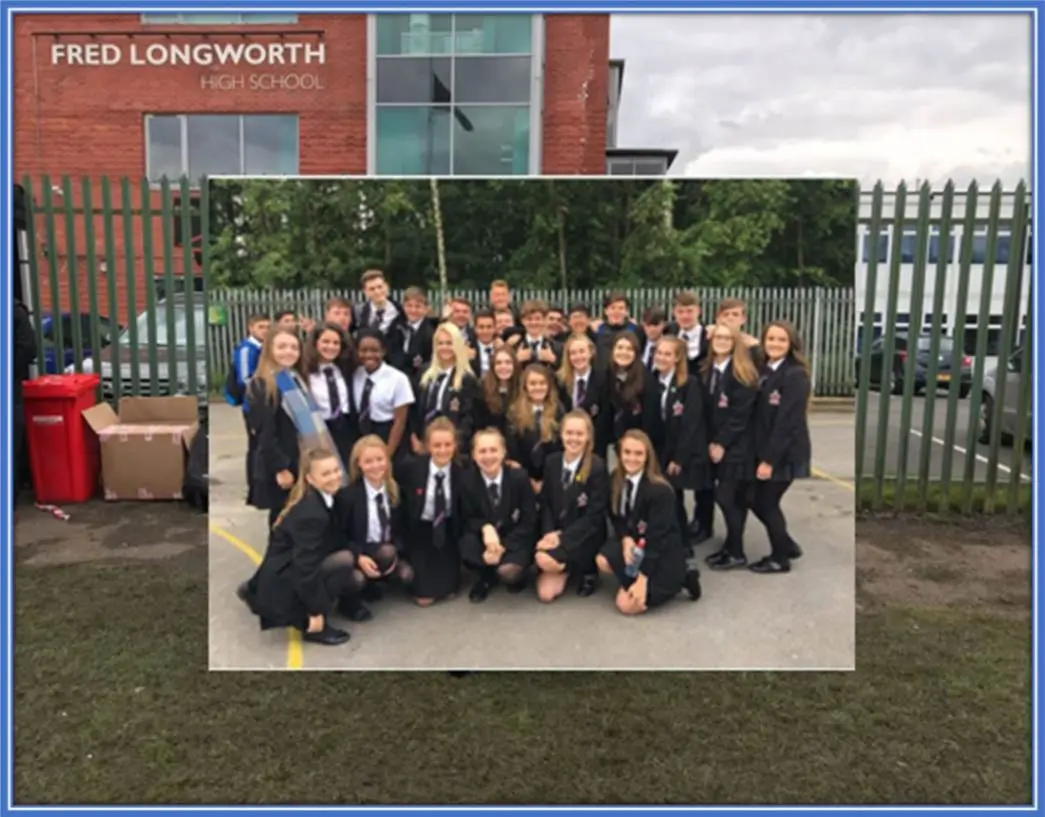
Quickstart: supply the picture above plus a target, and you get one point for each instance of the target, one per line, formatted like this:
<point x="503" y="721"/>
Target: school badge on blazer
<point x="582" y="500"/>
<point x="723" y="400"/>
<point x="774" y="397"/>
<point x="515" y="515"/>
<point x="594" y="409"/>
<point x="418" y="361"/>
<point x="455" y="405"/>
<point x="641" y="528"/>
<point x="677" y="409"/>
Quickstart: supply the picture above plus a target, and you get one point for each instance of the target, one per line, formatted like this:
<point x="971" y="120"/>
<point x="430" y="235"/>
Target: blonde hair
<point x="308" y="459"/>
<point x="566" y="373"/>
<point x="581" y="416"/>
<point x="462" y="365"/>
<point x="268" y="368"/>
<point x="521" y="411"/>
<point x="355" y="473"/>
<point x="681" y="350"/>
<point x="441" y="424"/>
<point x="740" y="358"/>
<point x="488" y="432"/>
<point x="650" y="471"/>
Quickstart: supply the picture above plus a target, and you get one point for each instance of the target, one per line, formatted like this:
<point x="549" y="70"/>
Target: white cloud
<point x="884" y="96"/>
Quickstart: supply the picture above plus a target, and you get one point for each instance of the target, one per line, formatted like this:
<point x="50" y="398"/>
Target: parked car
<point x="1011" y="408"/>
<point x="890" y="375"/>
<point x="176" y="351"/>
<point x="51" y="359"/>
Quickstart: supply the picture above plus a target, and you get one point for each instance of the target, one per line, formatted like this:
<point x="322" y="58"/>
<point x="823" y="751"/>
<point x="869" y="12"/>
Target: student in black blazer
<point x="533" y="422"/>
<point x="307" y="572"/>
<point x="329" y="361"/>
<point x="573" y="503"/>
<point x="433" y="520"/>
<point x="500" y="512"/>
<point x="497" y="391"/>
<point x="372" y="510"/>
<point x="486" y="342"/>
<point x="730" y="380"/>
<point x="629" y="386"/>
<point x="534" y="346"/>
<point x="410" y="342"/>
<point x="642" y="511"/>
<point x="582" y="384"/>
<point x="275" y="467"/>
<point x="447" y="389"/>
<point x="783" y="451"/>
<point x="676" y="424"/>
<point x="378" y="311"/>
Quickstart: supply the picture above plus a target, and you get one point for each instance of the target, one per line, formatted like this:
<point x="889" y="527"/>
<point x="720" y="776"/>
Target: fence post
<point x="818" y="315"/>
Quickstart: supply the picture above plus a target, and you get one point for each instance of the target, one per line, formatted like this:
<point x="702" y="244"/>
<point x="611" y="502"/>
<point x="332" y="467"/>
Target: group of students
<point x="482" y="441"/>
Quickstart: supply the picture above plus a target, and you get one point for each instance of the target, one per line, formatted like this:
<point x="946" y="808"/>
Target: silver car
<point x="170" y="379"/>
<point x="1011" y="408"/>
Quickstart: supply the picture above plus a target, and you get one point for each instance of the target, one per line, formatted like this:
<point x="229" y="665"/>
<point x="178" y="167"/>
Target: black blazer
<point x="485" y="417"/>
<point x="364" y="311"/>
<point x="781" y="430"/>
<point x="578" y="512"/>
<point x="548" y="343"/>
<point x="290" y="584"/>
<point x="694" y="362"/>
<point x="654" y="519"/>
<point x="607" y="336"/>
<point x="278" y="448"/>
<point x="477" y="367"/>
<point x="730" y="410"/>
<point x="625" y="417"/>
<point x="515" y="518"/>
<point x="679" y="433"/>
<point x="412" y="476"/>
<point x="456" y="404"/>
<point x="526" y="448"/>
<point x="354" y="515"/>
<point x="596" y="404"/>
<point x="412" y="358"/>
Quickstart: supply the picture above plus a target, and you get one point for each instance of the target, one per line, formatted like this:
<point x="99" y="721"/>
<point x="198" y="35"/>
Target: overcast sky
<point x="885" y="96"/>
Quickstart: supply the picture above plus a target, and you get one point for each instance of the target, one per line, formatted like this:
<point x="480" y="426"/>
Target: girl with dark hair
<point x="381" y="395"/>
<point x="629" y="384"/>
<point x="498" y="389"/>
<point x="328" y="363"/>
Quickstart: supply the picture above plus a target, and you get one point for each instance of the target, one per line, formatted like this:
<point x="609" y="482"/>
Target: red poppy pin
<point x="677" y="409"/>
<point x="774" y="398"/>
<point x="723" y="400"/>
<point x="420" y="491"/>
<point x="455" y="405"/>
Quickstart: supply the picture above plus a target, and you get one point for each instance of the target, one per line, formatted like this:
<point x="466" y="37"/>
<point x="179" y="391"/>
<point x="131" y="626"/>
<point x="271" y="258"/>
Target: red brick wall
<point x="577" y="53"/>
<point x="89" y="120"/>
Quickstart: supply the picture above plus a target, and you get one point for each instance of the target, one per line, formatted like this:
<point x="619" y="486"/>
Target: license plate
<point x="944" y="378"/>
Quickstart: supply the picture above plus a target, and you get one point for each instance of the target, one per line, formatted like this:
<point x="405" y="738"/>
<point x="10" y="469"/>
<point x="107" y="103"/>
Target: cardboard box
<point x="144" y="447"/>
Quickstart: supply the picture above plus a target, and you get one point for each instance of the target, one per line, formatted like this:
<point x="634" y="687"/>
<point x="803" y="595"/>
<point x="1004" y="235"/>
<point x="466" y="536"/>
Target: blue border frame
<point x="9" y="7"/>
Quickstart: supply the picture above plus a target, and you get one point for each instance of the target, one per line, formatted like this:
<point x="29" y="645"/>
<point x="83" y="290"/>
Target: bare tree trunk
<point x="669" y="206"/>
<point x="440" y="239"/>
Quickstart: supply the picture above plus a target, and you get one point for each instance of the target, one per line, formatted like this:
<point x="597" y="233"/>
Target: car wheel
<point x="984" y="420"/>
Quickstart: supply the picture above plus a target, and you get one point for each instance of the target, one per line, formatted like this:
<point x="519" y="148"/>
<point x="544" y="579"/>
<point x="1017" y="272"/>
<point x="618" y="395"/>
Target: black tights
<point x="766" y="506"/>
<point x="341" y="576"/>
<point x="391" y="564"/>
<point x="731" y="496"/>
<point x="508" y="573"/>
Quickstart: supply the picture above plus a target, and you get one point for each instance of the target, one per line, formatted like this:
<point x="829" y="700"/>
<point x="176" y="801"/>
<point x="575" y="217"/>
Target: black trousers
<point x="731" y="496"/>
<point x="704" y="509"/>
<point x="273" y="516"/>
<point x="251" y="448"/>
<point x="766" y="506"/>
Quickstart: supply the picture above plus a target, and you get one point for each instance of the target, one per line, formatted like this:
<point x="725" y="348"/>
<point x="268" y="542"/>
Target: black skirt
<point x="789" y="472"/>
<point x="733" y="472"/>
<point x="437" y="571"/>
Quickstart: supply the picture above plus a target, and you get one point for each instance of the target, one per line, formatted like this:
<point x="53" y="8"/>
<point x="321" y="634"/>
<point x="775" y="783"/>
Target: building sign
<point x="199" y="55"/>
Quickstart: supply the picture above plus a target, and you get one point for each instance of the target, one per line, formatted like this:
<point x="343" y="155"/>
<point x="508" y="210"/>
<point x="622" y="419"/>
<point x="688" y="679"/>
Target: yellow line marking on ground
<point x="294" y="656"/>
<point x="847" y="484"/>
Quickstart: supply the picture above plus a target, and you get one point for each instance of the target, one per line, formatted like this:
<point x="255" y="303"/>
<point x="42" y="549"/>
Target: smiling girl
<point x="381" y="395"/>
<point x="498" y="387"/>
<point x="573" y="504"/>
<point x="648" y="552"/>
<point x="533" y="422"/>
<point x="582" y="385"/>
<point x="448" y="388"/>
<point x="783" y="451"/>
<point x="329" y="360"/>
<point x="629" y="383"/>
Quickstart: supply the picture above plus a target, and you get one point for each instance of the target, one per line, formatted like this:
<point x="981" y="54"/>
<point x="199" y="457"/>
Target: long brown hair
<point x="650" y="473"/>
<point x="521" y="411"/>
<point x="355" y="473"/>
<point x="297" y="493"/>
<point x="625" y="393"/>
<point x="581" y="416"/>
<point x="492" y="386"/>
<point x="566" y="373"/>
<point x="742" y="365"/>
<point x="310" y="357"/>
<point x="795" y="354"/>
<point x="267" y="366"/>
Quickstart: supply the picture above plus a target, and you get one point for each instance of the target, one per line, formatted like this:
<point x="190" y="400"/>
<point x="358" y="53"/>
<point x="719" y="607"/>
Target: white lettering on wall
<point x="192" y="54"/>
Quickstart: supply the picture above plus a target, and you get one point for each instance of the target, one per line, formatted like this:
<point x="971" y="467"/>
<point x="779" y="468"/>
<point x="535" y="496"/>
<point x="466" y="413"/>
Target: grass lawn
<point x="113" y="704"/>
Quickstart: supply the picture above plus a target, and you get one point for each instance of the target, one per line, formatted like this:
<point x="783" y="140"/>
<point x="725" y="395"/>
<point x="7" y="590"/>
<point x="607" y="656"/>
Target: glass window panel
<point x="161" y="19"/>
<point x="651" y="167"/>
<point x="413" y="34"/>
<point x="934" y="248"/>
<point x="270" y="145"/>
<point x="261" y="19"/>
<point x="419" y="81"/>
<point x="883" y="248"/>
<point x="163" y="143"/>
<point x="979" y="248"/>
<point x="1001" y="248"/>
<point x="211" y="19"/>
<point x="493" y="33"/>
<point x="492" y="79"/>
<point x="491" y="141"/>
<point x="413" y="141"/>
<point x="214" y="146"/>
<point x="218" y="19"/>
<point x="908" y="247"/>
<point x="621" y="168"/>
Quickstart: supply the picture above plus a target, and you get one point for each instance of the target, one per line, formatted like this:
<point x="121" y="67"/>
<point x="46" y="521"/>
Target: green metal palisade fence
<point x="949" y="267"/>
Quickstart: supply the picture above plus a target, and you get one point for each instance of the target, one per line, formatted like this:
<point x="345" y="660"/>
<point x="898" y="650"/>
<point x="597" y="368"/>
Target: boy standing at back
<point x="244" y="363"/>
<point x="732" y="312"/>
<point x="378" y="311"/>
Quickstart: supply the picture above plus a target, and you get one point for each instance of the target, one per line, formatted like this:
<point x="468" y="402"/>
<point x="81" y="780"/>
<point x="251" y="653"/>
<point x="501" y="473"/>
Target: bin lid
<point x="59" y="385"/>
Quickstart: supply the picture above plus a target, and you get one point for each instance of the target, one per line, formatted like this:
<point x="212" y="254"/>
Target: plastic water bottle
<point x="632" y="570"/>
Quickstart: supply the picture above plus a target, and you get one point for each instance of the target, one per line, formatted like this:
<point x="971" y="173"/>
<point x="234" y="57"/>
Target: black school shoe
<point x="480" y="590"/>
<point x="371" y="592"/>
<point x="697" y="533"/>
<point x="588" y="583"/>
<point x="768" y="564"/>
<point x="354" y="609"/>
<point x="692" y="584"/>
<point x="328" y="636"/>
<point x="724" y="560"/>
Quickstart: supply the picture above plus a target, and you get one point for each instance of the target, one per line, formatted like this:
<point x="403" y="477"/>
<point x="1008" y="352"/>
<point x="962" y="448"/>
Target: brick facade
<point x="88" y="120"/>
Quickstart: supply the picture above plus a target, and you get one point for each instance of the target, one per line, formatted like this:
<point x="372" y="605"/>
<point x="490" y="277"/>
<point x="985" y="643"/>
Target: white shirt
<point x="429" y="512"/>
<point x="665" y="381"/>
<point x="530" y="342"/>
<point x="317" y="384"/>
<point x="391" y="390"/>
<point x="577" y="378"/>
<point x="485" y="354"/>
<point x="570" y="468"/>
<point x="693" y="339"/>
<point x="448" y="376"/>
<point x="495" y="481"/>
<point x="647" y="355"/>
<point x="373" y="519"/>
<point x="387" y="317"/>
<point x="328" y="499"/>
<point x="634" y="480"/>
<point x="775" y="364"/>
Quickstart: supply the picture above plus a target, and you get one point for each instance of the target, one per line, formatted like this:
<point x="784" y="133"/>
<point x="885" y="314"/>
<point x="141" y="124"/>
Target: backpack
<point x="236" y="390"/>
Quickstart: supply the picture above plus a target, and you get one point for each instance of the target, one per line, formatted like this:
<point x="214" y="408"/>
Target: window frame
<point x="292" y="19"/>
<point x="535" y="105"/>
<point x="183" y="136"/>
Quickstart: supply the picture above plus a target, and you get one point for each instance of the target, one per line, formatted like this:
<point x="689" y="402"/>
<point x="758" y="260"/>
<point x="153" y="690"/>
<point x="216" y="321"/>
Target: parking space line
<point x="848" y="485"/>
<point x="964" y="452"/>
<point x="294" y="653"/>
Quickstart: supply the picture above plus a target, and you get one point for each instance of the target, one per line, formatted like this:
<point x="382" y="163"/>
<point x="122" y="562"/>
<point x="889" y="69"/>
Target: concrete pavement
<point x="802" y="620"/>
